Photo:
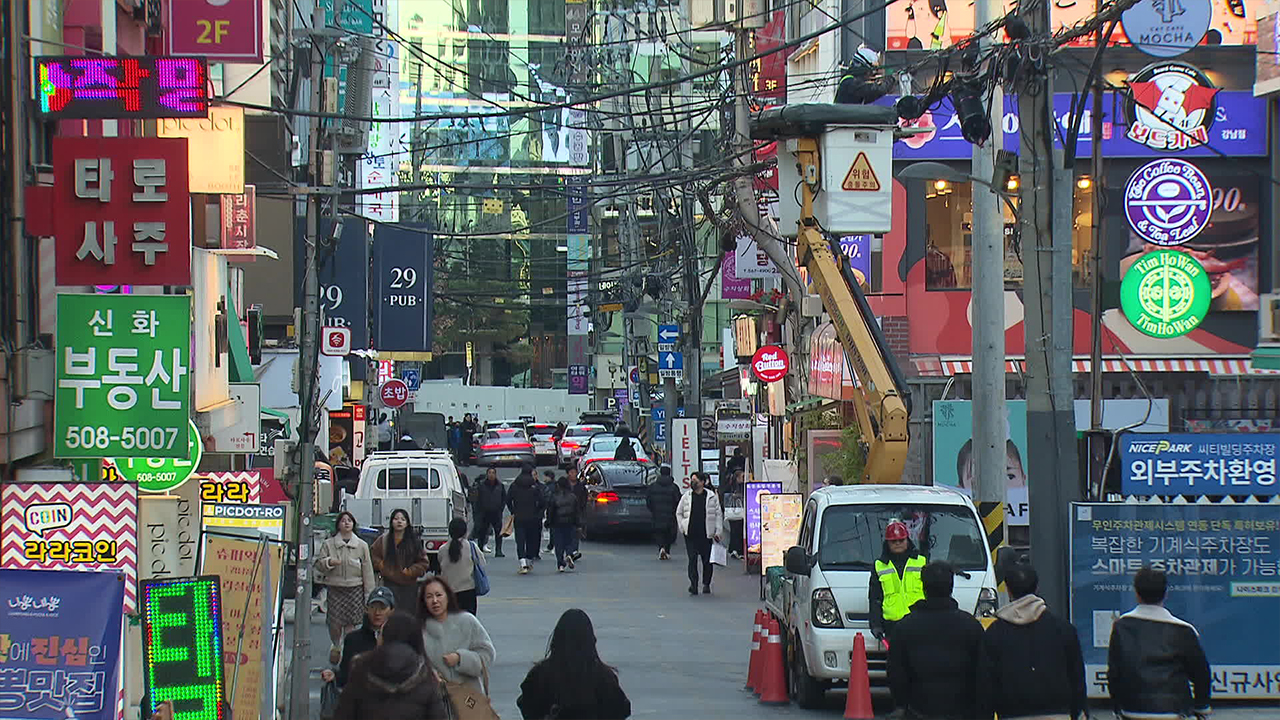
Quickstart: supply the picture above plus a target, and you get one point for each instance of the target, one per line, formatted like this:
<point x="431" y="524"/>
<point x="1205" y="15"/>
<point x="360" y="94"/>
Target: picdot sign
<point x="1165" y="294"/>
<point x="1168" y="202"/>
<point x="770" y="364"/>
<point x="394" y="393"/>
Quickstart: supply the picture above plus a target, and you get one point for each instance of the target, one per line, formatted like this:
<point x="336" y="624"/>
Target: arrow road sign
<point x="670" y="364"/>
<point x="668" y="333"/>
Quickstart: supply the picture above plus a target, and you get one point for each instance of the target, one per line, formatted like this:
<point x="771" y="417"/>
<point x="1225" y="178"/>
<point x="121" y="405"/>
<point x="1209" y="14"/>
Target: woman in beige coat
<point x="343" y="566"/>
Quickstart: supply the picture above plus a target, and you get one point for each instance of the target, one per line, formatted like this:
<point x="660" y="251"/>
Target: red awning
<point x="1229" y="366"/>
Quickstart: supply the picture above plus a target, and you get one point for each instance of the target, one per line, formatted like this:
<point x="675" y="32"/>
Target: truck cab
<point x="821" y="598"/>
<point x="424" y="483"/>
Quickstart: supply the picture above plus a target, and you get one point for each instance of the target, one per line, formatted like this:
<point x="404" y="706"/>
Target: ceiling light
<point x="939" y="185"/>
<point x="1084" y="183"/>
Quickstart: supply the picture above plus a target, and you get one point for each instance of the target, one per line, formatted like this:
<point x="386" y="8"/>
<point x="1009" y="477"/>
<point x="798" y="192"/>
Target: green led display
<point x="182" y="642"/>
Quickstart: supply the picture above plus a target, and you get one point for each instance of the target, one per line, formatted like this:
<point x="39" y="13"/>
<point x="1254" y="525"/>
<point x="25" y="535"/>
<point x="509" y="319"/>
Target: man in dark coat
<point x="491" y="498"/>
<point x="662" y="497"/>
<point x="1155" y="664"/>
<point x="934" y="651"/>
<point x="526" y="502"/>
<point x="364" y="638"/>
<point x="1031" y="662"/>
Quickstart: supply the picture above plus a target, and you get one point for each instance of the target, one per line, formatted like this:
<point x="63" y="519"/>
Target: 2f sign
<point x="221" y="30"/>
<point x="212" y="31"/>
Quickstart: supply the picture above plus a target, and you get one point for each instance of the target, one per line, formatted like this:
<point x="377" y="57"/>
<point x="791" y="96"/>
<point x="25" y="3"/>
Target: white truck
<point x="424" y="483"/>
<point x="820" y="600"/>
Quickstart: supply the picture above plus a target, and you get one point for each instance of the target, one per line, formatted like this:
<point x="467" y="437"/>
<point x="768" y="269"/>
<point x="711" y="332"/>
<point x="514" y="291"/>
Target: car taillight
<point x="605" y="498"/>
<point x="568" y="444"/>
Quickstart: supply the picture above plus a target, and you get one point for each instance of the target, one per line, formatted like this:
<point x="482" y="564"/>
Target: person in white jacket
<point x="700" y="518"/>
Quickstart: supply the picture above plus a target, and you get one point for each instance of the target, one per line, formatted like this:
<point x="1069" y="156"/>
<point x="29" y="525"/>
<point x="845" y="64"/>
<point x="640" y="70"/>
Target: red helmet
<point x="897" y="530"/>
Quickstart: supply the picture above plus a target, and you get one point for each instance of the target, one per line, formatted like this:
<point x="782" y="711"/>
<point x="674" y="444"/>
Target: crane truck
<point x="820" y="596"/>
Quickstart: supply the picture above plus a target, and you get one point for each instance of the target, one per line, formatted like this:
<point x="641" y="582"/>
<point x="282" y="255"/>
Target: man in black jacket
<point x="934" y="651"/>
<point x="1155" y="659"/>
<point x="364" y="638"/>
<point x="1031" y="661"/>
<point x="662" y="497"/>
<point x="526" y="502"/>
<point x="491" y="498"/>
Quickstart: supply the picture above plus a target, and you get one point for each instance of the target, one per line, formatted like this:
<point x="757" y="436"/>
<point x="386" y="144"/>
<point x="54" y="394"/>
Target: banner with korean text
<point x="1222" y="563"/>
<point x="122" y="369"/>
<point x="60" y="644"/>
<point x="1199" y="464"/>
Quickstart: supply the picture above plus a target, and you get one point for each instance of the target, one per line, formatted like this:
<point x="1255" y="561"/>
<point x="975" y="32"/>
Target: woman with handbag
<point x="394" y="680"/>
<point x="398" y="556"/>
<point x="457" y="646"/>
<point x="462" y="566"/>
<point x="572" y="682"/>
<point x="344" y="568"/>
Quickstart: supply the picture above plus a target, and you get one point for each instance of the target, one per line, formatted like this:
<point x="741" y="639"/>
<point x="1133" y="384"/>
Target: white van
<point x="424" y="483"/>
<point x="821" y="601"/>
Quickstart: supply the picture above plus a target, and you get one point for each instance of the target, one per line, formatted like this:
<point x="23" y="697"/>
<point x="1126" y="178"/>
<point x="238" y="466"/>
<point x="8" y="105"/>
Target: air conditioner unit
<point x="33" y="374"/>
<point x="1269" y="319"/>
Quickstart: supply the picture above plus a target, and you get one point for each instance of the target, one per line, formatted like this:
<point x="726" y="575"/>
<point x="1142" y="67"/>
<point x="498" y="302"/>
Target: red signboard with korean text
<point x="394" y="393"/>
<point x="220" y="30"/>
<point x="239" y="220"/>
<point x="123" y="211"/>
<point x="770" y="364"/>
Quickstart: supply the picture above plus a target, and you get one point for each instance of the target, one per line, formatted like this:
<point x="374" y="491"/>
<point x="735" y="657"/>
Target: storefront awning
<point x="1229" y="366"/>
<point x="1266" y="358"/>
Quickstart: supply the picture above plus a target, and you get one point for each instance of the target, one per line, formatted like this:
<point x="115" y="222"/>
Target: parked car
<point x="424" y="483"/>
<point x="499" y="424"/>
<point x="599" y="417"/>
<point x="574" y="442"/>
<point x="509" y="446"/>
<point x="603" y="447"/>
<point x="616" y="498"/>
<point x="544" y="441"/>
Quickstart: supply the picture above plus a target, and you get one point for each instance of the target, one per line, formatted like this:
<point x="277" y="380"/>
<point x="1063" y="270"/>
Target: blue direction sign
<point x="659" y="415"/>
<point x="412" y="378"/>
<point x="668" y="336"/>
<point x="670" y="364"/>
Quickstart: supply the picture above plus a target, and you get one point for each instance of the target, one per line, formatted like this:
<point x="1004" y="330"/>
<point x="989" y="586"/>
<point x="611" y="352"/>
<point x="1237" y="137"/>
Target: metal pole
<point x="23" y="327"/>
<point x="990" y="435"/>
<point x="299" y="686"/>
<point x="1096" y="457"/>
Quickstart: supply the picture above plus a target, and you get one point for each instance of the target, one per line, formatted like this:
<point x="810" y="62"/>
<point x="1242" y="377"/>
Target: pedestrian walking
<point x="895" y="581"/>
<point x="377" y="608"/>
<point x="663" y="497"/>
<point x="455" y="643"/>
<point x="549" y="489"/>
<point x="1156" y="667"/>
<point x="572" y="682"/>
<point x="699" y="518"/>
<point x="343" y="566"/>
<point x="458" y="565"/>
<point x="1031" y="663"/>
<point x="491" y="498"/>
<point x="400" y="559"/>
<point x="624" y="451"/>
<point x="564" y="518"/>
<point x="525" y="502"/>
<point x="393" y="681"/>
<point x="579" y="491"/>
<point x="934" y="652"/>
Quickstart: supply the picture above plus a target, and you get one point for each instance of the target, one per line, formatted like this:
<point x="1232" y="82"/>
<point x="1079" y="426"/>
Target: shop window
<point x="949" y="235"/>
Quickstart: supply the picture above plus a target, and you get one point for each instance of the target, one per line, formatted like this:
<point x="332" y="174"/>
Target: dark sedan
<point x="616" y="498"/>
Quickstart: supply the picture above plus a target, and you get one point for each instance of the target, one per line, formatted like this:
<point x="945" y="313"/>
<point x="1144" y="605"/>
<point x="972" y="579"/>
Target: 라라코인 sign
<point x="1222" y="563"/>
<point x="1200" y="464"/>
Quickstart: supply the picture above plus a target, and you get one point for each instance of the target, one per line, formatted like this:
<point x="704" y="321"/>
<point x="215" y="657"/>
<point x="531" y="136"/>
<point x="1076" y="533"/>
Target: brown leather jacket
<point x="391" y="572"/>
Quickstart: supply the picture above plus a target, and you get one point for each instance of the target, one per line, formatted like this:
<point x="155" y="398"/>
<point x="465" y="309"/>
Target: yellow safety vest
<point x="900" y="592"/>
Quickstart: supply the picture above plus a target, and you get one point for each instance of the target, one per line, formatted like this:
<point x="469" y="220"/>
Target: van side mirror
<point x="796" y="561"/>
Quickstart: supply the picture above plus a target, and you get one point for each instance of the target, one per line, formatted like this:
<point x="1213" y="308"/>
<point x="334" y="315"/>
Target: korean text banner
<point x="953" y="455"/>
<point x="1222" y="564"/>
<point x="754" y="491"/>
<point x="241" y="566"/>
<point x="60" y="644"/>
<point x="71" y="526"/>
<point x="1199" y="464"/>
<point x="123" y="376"/>
<point x="1239" y="128"/>
<point x="123" y="211"/>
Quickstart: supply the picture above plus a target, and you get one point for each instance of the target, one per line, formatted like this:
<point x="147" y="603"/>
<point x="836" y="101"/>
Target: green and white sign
<point x="1165" y="294"/>
<point x="158" y="475"/>
<point x="123" y="376"/>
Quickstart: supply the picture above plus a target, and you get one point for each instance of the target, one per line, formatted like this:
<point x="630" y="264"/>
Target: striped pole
<point x="992" y="514"/>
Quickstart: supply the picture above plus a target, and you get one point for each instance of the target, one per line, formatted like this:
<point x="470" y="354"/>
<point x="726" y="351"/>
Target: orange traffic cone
<point x="753" y="667"/>
<point x="773" y="673"/>
<point x="857" y="705"/>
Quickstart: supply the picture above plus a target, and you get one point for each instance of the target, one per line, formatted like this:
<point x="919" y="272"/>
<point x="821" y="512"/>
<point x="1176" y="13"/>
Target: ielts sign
<point x="123" y="211"/>
<point x="770" y="364"/>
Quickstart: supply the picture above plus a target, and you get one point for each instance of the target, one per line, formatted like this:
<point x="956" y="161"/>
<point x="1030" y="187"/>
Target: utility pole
<point x="1096" y="443"/>
<point x="990" y="435"/>
<point x="308" y="350"/>
<point x="1051" y="462"/>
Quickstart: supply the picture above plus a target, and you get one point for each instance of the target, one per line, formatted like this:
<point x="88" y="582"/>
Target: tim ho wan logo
<point x="770" y="364"/>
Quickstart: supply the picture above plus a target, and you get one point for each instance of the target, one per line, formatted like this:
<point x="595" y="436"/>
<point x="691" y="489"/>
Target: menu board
<point x="780" y="516"/>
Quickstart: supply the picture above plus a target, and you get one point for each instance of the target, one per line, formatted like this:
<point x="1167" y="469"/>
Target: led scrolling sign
<point x="136" y="88"/>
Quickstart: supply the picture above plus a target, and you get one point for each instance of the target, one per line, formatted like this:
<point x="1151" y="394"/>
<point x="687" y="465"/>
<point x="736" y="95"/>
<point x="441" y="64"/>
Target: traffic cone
<point x="753" y="667"/>
<point x="773" y="673"/>
<point x="857" y="705"/>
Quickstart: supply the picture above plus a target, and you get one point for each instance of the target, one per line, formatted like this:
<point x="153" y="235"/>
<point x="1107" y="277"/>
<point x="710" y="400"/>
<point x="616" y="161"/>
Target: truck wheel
<point x="807" y="692"/>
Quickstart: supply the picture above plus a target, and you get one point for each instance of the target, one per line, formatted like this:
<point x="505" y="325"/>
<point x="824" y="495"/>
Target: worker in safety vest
<point x="895" y="581"/>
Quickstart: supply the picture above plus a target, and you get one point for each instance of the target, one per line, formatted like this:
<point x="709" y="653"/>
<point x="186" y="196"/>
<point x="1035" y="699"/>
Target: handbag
<point x="464" y="702"/>
<point x="478" y="574"/>
<point x="328" y="699"/>
<point x="509" y="526"/>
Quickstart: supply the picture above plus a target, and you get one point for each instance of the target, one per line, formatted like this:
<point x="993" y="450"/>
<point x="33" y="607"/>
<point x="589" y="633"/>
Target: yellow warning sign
<point x="861" y="176"/>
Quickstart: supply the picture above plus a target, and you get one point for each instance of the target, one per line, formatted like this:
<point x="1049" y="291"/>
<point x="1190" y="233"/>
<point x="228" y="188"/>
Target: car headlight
<point x="825" y="611"/>
<point x="988" y="603"/>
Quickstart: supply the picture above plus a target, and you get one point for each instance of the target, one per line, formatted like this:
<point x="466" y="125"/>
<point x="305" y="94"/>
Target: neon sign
<point x="133" y="88"/>
<point x="182" y="644"/>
